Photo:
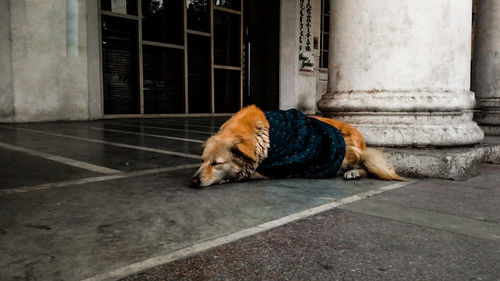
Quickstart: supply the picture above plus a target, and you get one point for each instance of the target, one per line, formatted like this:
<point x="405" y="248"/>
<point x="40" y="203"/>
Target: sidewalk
<point x="429" y="230"/>
<point x="106" y="199"/>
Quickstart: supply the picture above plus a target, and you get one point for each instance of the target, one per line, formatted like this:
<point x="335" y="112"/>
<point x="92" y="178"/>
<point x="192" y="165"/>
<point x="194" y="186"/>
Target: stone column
<point x="486" y="65"/>
<point x="400" y="71"/>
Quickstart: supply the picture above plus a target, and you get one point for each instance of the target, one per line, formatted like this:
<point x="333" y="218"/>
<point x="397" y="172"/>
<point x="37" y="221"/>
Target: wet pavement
<point x="428" y="230"/>
<point x="82" y="199"/>
<point x="341" y="245"/>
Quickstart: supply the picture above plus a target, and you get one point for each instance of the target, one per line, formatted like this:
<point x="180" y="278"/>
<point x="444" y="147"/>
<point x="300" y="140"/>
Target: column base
<point x="490" y="130"/>
<point x="448" y="163"/>
<point x="488" y="117"/>
<point x="411" y="100"/>
<point x="403" y="118"/>
<point x="414" y="129"/>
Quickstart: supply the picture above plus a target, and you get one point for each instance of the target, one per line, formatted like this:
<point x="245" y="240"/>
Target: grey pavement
<point x="107" y="199"/>
<point x="429" y="230"/>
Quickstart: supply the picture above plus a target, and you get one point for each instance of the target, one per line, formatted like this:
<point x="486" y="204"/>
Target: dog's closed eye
<point x="215" y="163"/>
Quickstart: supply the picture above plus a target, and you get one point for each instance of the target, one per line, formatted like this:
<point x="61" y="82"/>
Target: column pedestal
<point x="406" y="118"/>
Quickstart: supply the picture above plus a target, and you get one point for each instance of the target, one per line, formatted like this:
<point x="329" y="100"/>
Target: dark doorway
<point x="120" y="65"/>
<point x="170" y="57"/>
<point x="261" y="39"/>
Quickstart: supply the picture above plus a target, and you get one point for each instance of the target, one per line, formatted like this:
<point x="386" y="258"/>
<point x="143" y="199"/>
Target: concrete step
<point x="456" y="163"/>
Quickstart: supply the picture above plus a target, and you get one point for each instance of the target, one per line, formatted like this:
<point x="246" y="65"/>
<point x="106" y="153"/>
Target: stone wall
<point x="49" y="60"/>
<point x="6" y="91"/>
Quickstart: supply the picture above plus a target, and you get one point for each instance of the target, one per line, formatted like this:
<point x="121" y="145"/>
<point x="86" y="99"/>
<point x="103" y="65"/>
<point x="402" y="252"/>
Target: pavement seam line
<point x="187" y="155"/>
<point x="191" y="122"/>
<point x="188" y="125"/>
<point x="160" y="128"/>
<point x="212" y="243"/>
<point x="93" y="179"/>
<point x="62" y="160"/>
<point x="143" y="134"/>
<point x="183" y="124"/>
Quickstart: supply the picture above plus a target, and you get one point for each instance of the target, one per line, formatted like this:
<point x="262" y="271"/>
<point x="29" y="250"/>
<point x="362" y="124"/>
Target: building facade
<point x="79" y="60"/>
<point x="399" y="70"/>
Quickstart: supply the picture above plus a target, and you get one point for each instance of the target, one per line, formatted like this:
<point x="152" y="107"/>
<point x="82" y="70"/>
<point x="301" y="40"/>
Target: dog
<point x="242" y="146"/>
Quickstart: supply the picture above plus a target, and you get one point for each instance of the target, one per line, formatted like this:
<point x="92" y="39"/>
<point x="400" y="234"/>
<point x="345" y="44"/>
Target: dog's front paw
<point x="352" y="175"/>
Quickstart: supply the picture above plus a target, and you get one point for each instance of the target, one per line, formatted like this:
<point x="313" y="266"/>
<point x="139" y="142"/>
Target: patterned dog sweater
<point x="301" y="146"/>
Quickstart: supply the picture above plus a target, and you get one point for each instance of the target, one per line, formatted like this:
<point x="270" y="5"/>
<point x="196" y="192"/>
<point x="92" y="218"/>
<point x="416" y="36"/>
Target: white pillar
<point x="486" y="65"/>
<point x="400" y="71"/>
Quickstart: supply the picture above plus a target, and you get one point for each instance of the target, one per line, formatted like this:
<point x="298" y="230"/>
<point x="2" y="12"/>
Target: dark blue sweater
<point x="301" y="146"/>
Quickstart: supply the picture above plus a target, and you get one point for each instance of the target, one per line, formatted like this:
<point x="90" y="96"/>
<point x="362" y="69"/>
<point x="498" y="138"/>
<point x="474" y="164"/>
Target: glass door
<point x="199" y="41"/>
<point x="120" y="57"/>
<point x="163" y="50"/>
<point x="227" y="70"/>
<point x="177" y="57"/>
<point x="261" y="57"/>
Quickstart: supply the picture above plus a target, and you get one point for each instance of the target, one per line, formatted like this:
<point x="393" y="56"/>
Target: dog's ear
<point x="244" y="149"/>
<point x="202" y="148"/>
<point x="210" y="141"/>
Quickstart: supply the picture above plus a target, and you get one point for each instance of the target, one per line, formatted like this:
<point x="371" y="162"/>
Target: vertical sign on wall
<point x="305" y="36"/>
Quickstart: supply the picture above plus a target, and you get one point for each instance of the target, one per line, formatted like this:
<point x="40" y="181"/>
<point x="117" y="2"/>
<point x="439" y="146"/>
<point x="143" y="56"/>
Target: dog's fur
<point x="235" y="152"/>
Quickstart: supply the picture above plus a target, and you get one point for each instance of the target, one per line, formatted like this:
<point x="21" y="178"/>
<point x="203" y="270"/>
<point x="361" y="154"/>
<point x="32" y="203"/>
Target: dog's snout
<point x="195" y="182"/>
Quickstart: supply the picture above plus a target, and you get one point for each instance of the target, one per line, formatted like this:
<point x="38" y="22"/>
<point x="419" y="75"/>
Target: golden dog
<point x="235" y="152"/>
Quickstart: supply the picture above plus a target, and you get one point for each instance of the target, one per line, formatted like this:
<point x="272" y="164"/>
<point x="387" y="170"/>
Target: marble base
<point x="414" y="129"/>
<point x="449" y="163"/>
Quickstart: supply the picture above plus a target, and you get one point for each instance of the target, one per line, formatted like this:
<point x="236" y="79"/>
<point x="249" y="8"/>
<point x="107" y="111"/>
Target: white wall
<point x="297" y="89"/>
<point x="6" y="91"/>
<point x="50" y="67"/>
<point x="95" y="100"/>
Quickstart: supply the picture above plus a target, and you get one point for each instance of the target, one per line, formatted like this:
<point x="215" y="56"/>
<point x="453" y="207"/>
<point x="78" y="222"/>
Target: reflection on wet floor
<point x="93" y="224"/>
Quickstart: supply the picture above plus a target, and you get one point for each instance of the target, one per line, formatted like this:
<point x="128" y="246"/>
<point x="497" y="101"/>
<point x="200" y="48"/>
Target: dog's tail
<point x="375" y="162"/>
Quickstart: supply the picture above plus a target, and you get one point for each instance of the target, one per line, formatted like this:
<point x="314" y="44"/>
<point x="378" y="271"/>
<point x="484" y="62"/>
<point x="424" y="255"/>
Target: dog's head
<point x="225" y="159"/>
